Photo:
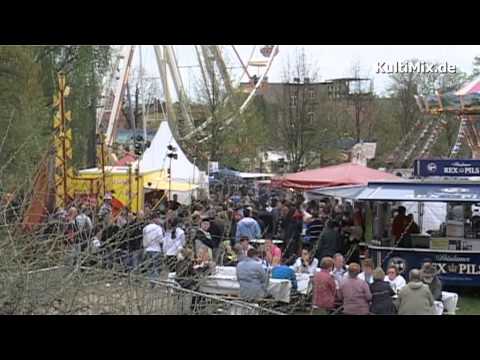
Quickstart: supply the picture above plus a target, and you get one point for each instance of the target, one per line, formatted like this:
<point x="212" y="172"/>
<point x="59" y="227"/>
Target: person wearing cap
<point x="203" y="236"/>
<point x="354" y="293"/>
<point x="429" y="277"/>
<point x="415" y="298"/>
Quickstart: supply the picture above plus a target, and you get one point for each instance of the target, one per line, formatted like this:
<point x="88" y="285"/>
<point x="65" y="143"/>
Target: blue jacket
<point x="248" y="227"/>
<point x="285" y="272"/>
<point x="252" y="279"/>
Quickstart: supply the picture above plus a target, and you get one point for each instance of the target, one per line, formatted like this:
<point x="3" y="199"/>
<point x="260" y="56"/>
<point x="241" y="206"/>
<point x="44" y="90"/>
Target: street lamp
<point x="172" y="154"/>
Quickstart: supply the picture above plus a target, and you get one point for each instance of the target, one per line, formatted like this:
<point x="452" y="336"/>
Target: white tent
<point x="183" y="171"/>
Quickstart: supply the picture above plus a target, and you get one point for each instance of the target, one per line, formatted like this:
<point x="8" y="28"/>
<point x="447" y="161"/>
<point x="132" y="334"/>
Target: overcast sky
<point x="334" y="60"/>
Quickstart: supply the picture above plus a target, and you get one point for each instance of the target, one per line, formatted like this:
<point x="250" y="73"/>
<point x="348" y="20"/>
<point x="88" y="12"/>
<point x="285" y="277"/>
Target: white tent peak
<point x="155" y="158"/>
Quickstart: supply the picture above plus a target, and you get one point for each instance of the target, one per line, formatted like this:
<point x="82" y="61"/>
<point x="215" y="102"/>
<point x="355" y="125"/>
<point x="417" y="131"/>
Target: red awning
<point x="337" y="175"/>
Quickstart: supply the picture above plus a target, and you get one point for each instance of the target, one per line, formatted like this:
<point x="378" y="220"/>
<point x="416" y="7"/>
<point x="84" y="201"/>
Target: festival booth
<point x="131" y="185"/>
<point x="186" y="177"/>
<point x="453" y="245"/>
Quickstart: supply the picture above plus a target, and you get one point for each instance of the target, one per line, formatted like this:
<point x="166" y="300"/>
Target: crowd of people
<point x="362" y="289"/>
<point x="319" y="238"/>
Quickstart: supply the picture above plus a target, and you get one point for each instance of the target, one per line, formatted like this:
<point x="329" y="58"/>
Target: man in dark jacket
<point x="329" y="242"/>
<point x="111" y="239"/>
<point x="203" y="234"/>
<point x="382" y="292"/>
<point x="134" y="239"/>
<point x="216" y="230"/>
<point x="267" y="219"/>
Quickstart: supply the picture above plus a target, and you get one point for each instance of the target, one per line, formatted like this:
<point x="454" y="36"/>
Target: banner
<point x="446" y="168"/>
<point x="454" y="268"/>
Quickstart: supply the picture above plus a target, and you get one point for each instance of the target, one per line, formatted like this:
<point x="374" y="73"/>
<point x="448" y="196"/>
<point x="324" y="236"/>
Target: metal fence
<point x="90" y="291"/>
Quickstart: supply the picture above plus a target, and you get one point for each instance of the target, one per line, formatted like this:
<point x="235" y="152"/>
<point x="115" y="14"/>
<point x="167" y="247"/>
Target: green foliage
<point x="84" y="66"/>
<point x="24" y="117"/>
<point x="28" y="81"/>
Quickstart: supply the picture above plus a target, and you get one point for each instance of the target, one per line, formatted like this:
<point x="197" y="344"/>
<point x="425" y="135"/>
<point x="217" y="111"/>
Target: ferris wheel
<point x="464" y="104"/>
<point x="225" y="67"/>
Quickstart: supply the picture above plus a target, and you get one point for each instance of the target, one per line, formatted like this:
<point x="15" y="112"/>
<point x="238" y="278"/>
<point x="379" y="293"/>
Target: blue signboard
<point x="446" y="168"/>
<point x="454" y="268"/>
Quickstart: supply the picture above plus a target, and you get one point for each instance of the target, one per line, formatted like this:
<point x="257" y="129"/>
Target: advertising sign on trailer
<point x="454" y="268"/>
<point x="444" y="168"/>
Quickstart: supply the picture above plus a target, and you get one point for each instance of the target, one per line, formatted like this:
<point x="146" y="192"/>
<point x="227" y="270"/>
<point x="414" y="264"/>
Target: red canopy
<point x="336" y="175"/>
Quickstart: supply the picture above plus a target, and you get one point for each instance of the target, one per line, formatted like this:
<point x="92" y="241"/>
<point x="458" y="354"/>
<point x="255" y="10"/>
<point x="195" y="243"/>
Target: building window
<point x="293" y="100"/>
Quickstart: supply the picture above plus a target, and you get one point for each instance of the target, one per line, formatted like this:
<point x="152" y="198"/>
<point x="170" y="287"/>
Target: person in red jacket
<point x="324" y="287"/>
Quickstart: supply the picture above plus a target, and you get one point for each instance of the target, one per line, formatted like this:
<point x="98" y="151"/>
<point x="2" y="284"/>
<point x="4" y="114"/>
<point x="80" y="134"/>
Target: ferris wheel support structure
<point x="209" y="58"/>
<point x="243" y="106"/>
<point x="118" y="94"/>
<point x="162" y="69"/>
<point x="215" y="50"/>
<point x="180" y="90"/>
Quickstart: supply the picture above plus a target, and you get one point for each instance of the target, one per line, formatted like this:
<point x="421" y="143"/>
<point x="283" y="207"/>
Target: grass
<point x="468" y="302"/>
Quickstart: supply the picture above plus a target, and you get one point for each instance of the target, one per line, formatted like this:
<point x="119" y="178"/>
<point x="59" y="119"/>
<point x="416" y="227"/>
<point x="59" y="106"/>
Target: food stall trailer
<point x="453" y="245"/>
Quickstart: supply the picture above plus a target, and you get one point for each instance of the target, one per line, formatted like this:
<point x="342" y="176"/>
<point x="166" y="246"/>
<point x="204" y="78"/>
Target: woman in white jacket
<point x="173" y="243"/>
<point x="306" y="264"/>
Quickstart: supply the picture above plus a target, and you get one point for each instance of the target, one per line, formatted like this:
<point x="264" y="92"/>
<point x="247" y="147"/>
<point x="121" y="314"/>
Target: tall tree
<point x="404" y="87"/>
<point x="84" y="65"/>
<point x="24" y="119"/>
<point x="295" y="113"/>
